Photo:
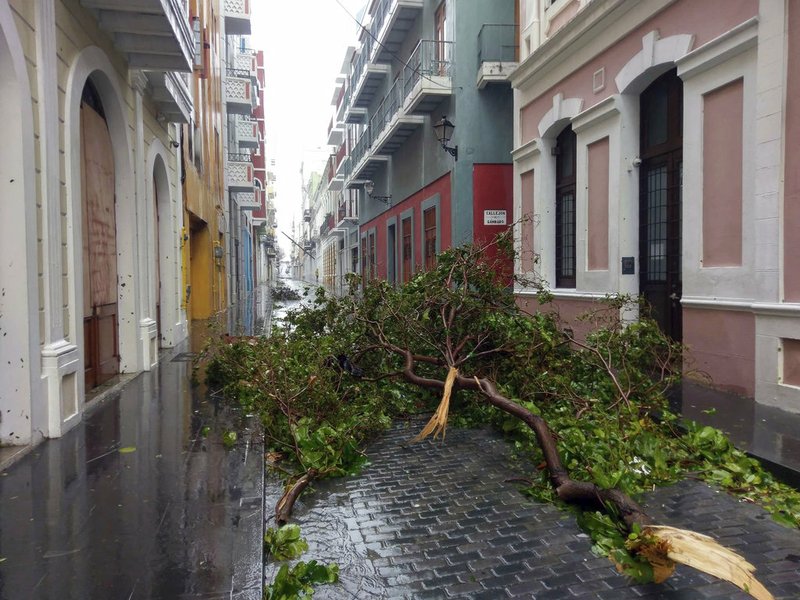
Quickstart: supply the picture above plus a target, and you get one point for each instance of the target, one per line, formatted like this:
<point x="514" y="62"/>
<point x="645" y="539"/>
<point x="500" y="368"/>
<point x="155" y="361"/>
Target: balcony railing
<point x="327" y="224"/>
<point x="390" y="20"/>
<point x="239" y="173"/>
<point x="239" y="95"/>
<point x="387" y="109"/>
<point x="497" y="53"/>
<point x="497" y="43"/>
<point x="237" y="15"/>
<point x="430" y="59"/>
<point x="247" y="133"/>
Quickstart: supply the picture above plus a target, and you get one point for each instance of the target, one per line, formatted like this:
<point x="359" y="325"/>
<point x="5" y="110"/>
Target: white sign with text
<point x="494" y="217"/>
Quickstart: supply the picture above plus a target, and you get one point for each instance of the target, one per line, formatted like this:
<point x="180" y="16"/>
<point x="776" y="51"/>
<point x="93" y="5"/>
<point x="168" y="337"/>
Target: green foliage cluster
<point x="284" y="543"/>
<point x="297" y="581"/>
<point x="602" y="394"/>
<point x="316" y="415"/>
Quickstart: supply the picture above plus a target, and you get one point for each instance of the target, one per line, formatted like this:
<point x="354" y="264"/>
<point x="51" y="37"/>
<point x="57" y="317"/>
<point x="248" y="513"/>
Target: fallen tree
<point x="591" y="411"/>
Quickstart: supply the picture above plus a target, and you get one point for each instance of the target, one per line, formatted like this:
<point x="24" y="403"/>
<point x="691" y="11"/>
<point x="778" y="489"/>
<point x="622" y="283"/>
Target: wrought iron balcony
<point x="391" y="22"/>
<point x="171" y="94"/>
<point x="239" y="92"/>
<point x="239" y="173"/>
<point x="307" y="215"/>
<point x="367" y="77"/>
<point x="154" y="34"/>
<point x="497" y="53"/>
<point x="428" y="75"/>
<point x="237" y="15"/>
<point x="390" y="125"/>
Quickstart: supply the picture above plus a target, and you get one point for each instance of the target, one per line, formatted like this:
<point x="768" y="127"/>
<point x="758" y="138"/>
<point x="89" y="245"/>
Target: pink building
<point x="657" y="152"/>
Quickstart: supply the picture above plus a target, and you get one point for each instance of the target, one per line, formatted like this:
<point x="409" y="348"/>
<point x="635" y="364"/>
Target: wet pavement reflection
<point x="771" y="434"/>
<point x="141" y="499"/>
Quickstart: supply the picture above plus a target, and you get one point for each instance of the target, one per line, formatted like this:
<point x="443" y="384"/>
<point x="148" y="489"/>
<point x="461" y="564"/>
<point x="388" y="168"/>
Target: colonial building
<point x="91" y="200"/>
<point x="419" y="63"/>
<point x="656" y="153"/>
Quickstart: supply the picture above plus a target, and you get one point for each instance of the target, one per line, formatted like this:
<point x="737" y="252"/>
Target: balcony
<point x="171" y="94"/>
<point x="428" y="76"/>
<point x="391" y="22"/>
<point x="347" y="212"/>
<point x="366" y="77"/>
<point x="335" y="133"/>
<point x="239" y="173"/>
<point x="237" y="16"/>
<point x="327" y="224"/>
<point x="249" y="200"/>
<point x="364" y="160"/>
<point x="239" y="96"/>
<point x="307" y="215"/>
<point x="247" y="133"/>
<point x="390" y="125"/>
<point x="154" y="34"/>
<point x="246" y="62"/>
<point x="497" y="53"/>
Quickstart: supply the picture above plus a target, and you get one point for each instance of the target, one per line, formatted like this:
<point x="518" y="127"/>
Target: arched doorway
<point x="661" y="175"/>
<point x="99" y="233"/>
<point x="161" y="248"/>
<point x="22" y="412"/>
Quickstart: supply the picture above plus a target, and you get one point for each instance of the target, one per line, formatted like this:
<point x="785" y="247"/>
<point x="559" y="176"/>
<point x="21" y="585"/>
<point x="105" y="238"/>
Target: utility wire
<point x="414" y="69"/>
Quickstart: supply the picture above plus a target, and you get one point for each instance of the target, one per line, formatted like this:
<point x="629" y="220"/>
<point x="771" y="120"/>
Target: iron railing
<point x="431" y="58"/>
<point x="239" y="157"/>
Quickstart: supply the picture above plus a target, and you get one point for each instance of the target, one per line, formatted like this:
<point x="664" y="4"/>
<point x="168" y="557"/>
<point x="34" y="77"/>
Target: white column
<point x="60" y="356"/>
<point x="148" y="328"/>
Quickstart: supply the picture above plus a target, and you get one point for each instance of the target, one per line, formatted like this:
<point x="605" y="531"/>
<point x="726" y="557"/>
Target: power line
<point x="414" y="69"/>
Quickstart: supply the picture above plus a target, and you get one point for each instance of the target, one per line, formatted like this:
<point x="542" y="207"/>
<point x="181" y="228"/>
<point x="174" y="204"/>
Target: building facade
<point x="656" y="154"/>
<point x="417" y="62"/>
<point x="91" y="200"/>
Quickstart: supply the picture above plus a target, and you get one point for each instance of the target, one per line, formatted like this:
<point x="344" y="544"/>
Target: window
<point x="429" y="224"/>
<point x="565" y="208"/>
<point x="407" y="256"/>
<point x="364" y="271"/>
<point x="391" y="251"/>
<point x="373" y="266"/>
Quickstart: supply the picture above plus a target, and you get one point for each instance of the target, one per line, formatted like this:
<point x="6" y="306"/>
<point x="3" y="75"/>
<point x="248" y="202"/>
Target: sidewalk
<point x="140" y="501"/>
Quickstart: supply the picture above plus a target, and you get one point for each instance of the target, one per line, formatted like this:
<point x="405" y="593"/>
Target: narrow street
<point x="141" y="500"/>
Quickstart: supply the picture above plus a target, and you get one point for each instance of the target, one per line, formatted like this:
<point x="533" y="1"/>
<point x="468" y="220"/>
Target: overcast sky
<point x="304" y="44"/>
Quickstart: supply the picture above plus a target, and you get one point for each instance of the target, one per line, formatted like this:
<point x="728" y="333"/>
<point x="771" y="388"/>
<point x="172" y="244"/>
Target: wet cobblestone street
<point x="433" y="520"/>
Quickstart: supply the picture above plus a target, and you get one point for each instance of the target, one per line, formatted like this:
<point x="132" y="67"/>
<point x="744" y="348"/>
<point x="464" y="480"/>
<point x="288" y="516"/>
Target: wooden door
<point x="98" y="207"/>
<point x="661" y="175"/>
<point x="429" y="225"/>
<point x="157" y="255"/>
<point x="407" y="253"/>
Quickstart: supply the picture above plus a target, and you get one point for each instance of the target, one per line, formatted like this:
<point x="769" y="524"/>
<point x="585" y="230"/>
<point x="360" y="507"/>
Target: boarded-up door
<point x="100" y="314"/>
<point x="157" y="255"/>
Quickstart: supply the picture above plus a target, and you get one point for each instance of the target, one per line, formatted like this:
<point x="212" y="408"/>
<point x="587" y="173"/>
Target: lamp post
<point x="369" y="187"/>
<point x="444" y="133"/>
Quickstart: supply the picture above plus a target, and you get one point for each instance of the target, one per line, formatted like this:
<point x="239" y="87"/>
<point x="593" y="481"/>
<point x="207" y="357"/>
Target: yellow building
<point x="203" y="168"/>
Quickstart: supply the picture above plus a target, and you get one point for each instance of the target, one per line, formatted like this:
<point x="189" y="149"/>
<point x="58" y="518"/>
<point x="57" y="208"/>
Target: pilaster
<point x="60" y="355"/>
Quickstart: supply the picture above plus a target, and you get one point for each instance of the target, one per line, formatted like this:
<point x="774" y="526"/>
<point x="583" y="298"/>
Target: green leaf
<point x="127" y="450"/>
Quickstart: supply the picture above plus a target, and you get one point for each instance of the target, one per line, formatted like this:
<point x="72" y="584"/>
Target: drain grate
<point x="184" y="357"/>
